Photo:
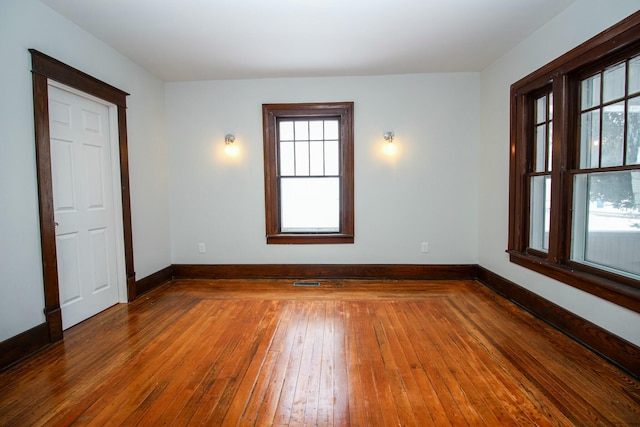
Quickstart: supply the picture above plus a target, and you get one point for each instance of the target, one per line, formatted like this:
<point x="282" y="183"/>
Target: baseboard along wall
<point x="616" y="350"/>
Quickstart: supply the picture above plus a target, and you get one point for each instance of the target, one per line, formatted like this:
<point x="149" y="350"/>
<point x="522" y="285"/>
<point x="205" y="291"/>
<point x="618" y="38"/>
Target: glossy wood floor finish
<point x="360" y="353"/>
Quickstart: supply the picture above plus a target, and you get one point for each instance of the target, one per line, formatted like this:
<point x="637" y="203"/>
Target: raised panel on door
<point x="99" y="245"/>
<point x="63" y="179"/>
<point x="94" y="173"/>
<point x="68" y="252"/>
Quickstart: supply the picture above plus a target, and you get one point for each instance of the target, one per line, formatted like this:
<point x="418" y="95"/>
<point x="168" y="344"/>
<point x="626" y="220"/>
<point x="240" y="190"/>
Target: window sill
<point x="309" y="239"/>
<point x="623" y="294"/>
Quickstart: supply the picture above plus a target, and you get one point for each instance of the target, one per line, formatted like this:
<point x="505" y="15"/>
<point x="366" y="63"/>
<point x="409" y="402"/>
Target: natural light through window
<point x="541" y="175"/>
<point x="309" y="165"/>
<point x="574" y="183"/>
<point x="606" y="209"/>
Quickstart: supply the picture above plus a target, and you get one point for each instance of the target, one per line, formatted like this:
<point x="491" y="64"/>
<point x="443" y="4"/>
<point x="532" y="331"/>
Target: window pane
<point x="287" y="158"/>
<point x="317" y="157"/>
<point x="541" y="110"/>
<point x="302" y="157"/>
<point x="302" y="131"/>
<point x="612" y="135"/>
<point x="591" y="92"/>
<point x="540" y="212"/>
<point x="316" y="130"/>
<point x="633" y="132"/>
<point x="286" y="131"/>
<point x="331" y="158"/>
<point x="613" y="86"/>
<point x="541" y="148"/>
<point x="590" y="139"/>
<point x="606" y="221"/>
<point x="310" y="204"/>
<point x="331" y="129"/>
<point x="634" y="75"/>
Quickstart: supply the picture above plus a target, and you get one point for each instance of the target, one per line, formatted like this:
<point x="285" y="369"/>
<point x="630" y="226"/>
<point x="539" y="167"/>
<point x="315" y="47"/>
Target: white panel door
<point x="83" y="200"/>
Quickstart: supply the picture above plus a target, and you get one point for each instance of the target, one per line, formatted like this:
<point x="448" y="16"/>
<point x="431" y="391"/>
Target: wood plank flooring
<point x="360" y="353"/>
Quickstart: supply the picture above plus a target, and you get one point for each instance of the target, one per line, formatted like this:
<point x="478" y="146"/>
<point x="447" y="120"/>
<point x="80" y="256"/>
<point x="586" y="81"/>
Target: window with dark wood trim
<point x="308" y="170"/>
<point x="574" y="200"/>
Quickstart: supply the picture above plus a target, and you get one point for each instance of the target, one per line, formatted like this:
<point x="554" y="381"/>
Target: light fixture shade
<point x="229" y="138"/>
<point x="388" y="136"/>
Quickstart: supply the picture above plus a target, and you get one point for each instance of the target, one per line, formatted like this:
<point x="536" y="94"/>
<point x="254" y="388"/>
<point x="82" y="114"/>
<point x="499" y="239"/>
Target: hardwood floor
<point x="361" y="353"/>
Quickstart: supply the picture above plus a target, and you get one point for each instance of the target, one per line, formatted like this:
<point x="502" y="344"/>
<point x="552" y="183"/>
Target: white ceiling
<point x="181" y="40"/>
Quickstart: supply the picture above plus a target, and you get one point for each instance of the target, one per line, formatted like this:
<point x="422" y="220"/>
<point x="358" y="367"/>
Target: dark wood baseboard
<point x="35" y="339"/>
<point x="609" y="346"/>
<point x="154" y="280"/>
<point x="23" y="345"/>
<point x="613" y="348"/>
<point x="325" y="271"/>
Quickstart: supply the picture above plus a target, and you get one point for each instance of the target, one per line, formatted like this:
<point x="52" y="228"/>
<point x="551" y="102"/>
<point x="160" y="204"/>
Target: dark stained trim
<point x="612" y="45"/>
<point x="43" y="69"/>
<point x="126" y="202"/>
<point x="52" y="312"/>
<point x="616" y="350"/>
<point x="271" y="113"/>
<point x="60" y="72"/>
<point x="23" y="345"/>
<point x="154" y="280"/>
<point x="324" y="271"/>
<point x="613" y="40"/>
<point x="615" y="291"/>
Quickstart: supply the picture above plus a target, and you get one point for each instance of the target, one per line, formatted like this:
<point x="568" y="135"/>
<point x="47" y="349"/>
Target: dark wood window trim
<point x="43" y="69"/>
<point x="563" y="74"/>
<point x="270" y="115"/>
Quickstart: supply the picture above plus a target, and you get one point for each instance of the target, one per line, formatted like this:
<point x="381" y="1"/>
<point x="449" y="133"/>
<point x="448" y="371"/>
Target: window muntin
<point x="609" y="127"/>
<point x="540" y="178"/>
<point x="544" y="132"/>
<point x="308" y="172"/>
<point x="309" y="175"/>
<point x="595" y="133"/>
<point x="606" y="200"/>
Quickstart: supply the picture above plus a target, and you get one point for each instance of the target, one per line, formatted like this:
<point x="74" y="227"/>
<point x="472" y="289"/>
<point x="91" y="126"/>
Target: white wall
<point x="427" y="193"/>
<point x="433" y="191"/>
<point x="28" y="24"/>
<point x="581" y="21"/>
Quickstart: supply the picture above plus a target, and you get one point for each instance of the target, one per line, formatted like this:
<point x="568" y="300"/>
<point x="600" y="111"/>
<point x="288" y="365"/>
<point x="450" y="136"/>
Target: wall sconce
<point x="229" y="147"/>
<point x="389" y="147"/>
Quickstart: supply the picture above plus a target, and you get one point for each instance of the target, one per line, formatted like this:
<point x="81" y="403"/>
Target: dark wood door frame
<point x="43" y="69"/>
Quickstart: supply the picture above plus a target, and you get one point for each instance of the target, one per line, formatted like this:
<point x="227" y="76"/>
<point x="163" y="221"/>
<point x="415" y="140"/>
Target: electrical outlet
<point x="202" y="248"/>
<point x="425" y="247"/>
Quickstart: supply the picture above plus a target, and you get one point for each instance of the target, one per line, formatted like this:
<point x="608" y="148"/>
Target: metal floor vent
<point x="306" y="283"/>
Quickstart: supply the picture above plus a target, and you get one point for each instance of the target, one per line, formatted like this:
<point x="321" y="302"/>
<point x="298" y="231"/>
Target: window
<point x="575" y="167"/>
<point x="606" y="183"/>
<point x="308" y="166"/>
<point x="540" y="176"/>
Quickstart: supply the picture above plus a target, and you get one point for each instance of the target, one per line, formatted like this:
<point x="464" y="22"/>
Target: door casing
<point x="45" y="68"/>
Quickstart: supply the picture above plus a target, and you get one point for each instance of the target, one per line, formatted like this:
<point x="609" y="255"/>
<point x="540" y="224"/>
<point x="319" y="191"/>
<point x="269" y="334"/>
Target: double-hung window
<point x="575" y="167"/>
<point x="606" y="180"/>
<point x="308" y="163"/>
